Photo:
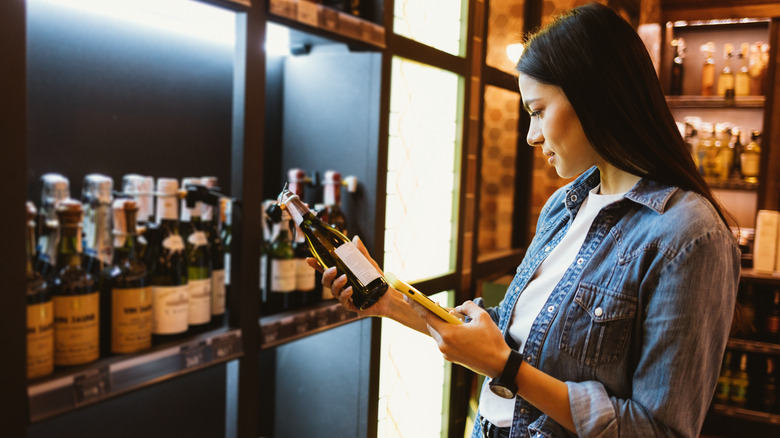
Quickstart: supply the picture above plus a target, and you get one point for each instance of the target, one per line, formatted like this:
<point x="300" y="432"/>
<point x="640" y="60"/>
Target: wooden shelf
<point x="715" y="102"/>
<point x="746" y="414"/>
<point x="753" y="346"/>
<point x="731" y="184"/>
<point x="761" y="277"/>
<point x="285" y="327"/>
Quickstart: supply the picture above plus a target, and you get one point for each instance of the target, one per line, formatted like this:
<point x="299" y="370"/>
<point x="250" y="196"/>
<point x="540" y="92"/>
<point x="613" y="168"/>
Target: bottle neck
<point x="97" y="229"/>
<point x="69" y="248"/>
<point x="31" y="249"/>
<point x="332" y="195"/>
<point x="298" y="210"/>
<point x="167" y="208"/>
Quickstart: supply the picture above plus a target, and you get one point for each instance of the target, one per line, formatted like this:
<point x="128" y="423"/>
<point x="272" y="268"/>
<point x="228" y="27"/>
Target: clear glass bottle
<point x="708" y="70"/>
<point x="55" y="188"/>
<point x="742" y="82"/>
<point x="40" y="310"/>
<point x="706" y="151"/>
<point x="750" y="159"/>
<point x="75" y="294"/>
<point x="168" y="271"/>
<point x="740" y="381"/>
<point x="96" y="196"/>
<point x="726" y="77"/>
<point x="198" y="262"/>
<point x="332" y="248"/>
<point x="127" y="295"/>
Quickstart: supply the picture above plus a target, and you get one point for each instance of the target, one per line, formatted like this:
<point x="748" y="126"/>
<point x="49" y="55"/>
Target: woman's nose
<point x="534" y="137"/>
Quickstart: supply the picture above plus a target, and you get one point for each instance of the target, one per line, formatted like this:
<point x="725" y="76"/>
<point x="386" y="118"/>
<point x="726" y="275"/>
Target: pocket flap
<point x="605" y="305"/>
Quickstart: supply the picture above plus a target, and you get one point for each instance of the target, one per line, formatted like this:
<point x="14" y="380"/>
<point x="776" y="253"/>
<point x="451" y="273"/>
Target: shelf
<point x="731" y="184"/>
<point x="317" y="16"/>
<point x="761" y="277"/>
<point x="746" y="414"/>
<point x="715" y="102"/>
<point x="288" y="326"/>
<point x="70" y="389"/>
<point x="753" y="346"/>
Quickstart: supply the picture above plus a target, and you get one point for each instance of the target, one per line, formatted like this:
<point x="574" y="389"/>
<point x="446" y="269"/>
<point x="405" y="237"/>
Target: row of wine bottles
<point x="747" y="78"/>
<point x="749" y="381"/>
<point x="113" y="274"/>
<point x="722" y="151"/>
<point x="759" y="314"/>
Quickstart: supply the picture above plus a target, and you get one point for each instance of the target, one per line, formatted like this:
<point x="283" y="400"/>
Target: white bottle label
<point x="357" y="263"/>
<point x="198" y="238"/>
<point x="169" y="307"/>
<point x="200" y="301"/>
<point x="218" y="292"/>
<point x="305" y="279"/>
<point x="263" y="271"/>
<point x="283" y="275"/>
<point x="227" y="269"/>
<point x="174" y="243"/>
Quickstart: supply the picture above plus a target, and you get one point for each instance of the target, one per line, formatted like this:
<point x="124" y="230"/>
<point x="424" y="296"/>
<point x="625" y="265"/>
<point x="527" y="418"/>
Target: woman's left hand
<point x="477" y="344"/>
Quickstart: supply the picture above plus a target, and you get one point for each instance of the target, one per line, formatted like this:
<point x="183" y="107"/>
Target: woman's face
<point x="556" y="129"/>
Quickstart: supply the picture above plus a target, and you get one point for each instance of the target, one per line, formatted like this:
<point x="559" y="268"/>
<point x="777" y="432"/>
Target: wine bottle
<point x="269" y="229"/>
<point x="168" y="277"/>
<point x="198" y="262"/>
<point x="141" y="189"/>
<point x="772" y="321"/>
<point x="40" y="311"/>
<point x="281" y="294"/>
<point x="98" y="246"/>
<point x="128" y="293"/>
<point x="769" y="388"/>
<point x="75" y="295"/>
<point x="742" y="82"/>
<point x="226" y="233"/>
<point x="332" y="248"/>
<point x="735" y="145"/>
<point x="677" y="67"/>
<point x="212" y="223"/>
<point x="55" y="188"/>
<point x="306" y="292"/>
<point x="740" y="381"/>
<point x="723" y="389"/>
<point x="708" y="70"/>
<point x="726" y="77"/>
<point x="750" y="159"/>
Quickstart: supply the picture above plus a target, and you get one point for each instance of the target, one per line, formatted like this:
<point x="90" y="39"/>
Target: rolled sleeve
<point x="592" y="410"/>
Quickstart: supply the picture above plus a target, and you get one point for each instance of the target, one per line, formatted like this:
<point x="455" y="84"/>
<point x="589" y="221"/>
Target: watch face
<point x="502" y="391"/>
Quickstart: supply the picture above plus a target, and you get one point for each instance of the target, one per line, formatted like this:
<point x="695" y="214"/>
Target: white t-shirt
<point x="493" y="408"/>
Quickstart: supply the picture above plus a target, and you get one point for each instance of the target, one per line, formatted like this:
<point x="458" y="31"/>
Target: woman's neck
<point x="614" y="180"/>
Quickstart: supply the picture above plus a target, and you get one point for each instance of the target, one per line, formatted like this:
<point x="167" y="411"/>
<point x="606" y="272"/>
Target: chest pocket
<point x="597" y="324"/>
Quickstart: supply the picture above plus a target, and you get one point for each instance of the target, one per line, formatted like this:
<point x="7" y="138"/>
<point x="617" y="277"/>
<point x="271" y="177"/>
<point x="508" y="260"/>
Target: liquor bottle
<point x="742" y="82"/>
<point x="721" y="153"/>
<point x="726" y="77"/>
<point x="332" y="248"/>
<point x="212" y="225"/>
<point x="141" y="189"/>
<point x="735" y="146"/>
<point x="677" y="67"/>
<point x="226" y="235"/>
<point x="40" y="310"/>
<point x="740" y="381"/>
<point x="168" y="273"/>
<point x="769" y="388"/>
<point x="756" y="67"/>
<point x="269" y="234"/>
<point x="724" y="380"/>
<point x="306" y="292"/>
<point x="281" y="293"/>
<point x="55" y="189"/>
<point x="74" y="294"/>
<point x="772" y="321"/>
<point x="198" y="262"/>
<point x="708" y="70"/>
<point x="706" y="150"/>
<point x="98" y="246"/>
<point x="127" y="295"/>
<point x="750" y="159"/>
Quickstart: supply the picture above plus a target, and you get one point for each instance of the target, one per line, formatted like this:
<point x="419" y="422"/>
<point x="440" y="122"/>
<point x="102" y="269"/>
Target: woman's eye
<point x="536" y="113"/>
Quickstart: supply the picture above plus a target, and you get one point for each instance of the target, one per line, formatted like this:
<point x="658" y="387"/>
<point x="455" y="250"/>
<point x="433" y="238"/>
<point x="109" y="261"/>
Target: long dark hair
<point x="605" y="71"/>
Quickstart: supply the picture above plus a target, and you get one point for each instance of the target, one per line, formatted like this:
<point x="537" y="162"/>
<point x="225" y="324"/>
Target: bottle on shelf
<point x="332" y="248"/>
<point x="141" y="189"/>
<point x="726" y="77"/>
<point x="168" y="271"/>
<point x="305" y="277"/>
<point x="282" y="273"/>
<point x="75" y="294"/>
<point x="677" y="67"/>
<point x="55" y="188"/>
<point x="708" y="70"/>
<point x="769" y="388"/>
<point x="269" y="234"/>
<point x="212" y="224"/>
<point x="723" y="390"/>
<point x="772" y="320"/>
<point x="706" y="150"/>
<point x="722" y="154"/>
<point x="40" y="310"/>
<point x="750" y="159"/>
<point x="747" y="309"/>
<point x="96" y="196"/>
<point x="742" y="81"/>
<point x="740" y="381"/>
<point x="127" y="294"/>
<point x="198" y="261"/>
<point x="735" y="146"/>
<point x="226" y="235"/>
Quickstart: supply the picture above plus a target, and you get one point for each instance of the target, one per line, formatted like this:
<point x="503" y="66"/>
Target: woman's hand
<point x="477" y="344"/>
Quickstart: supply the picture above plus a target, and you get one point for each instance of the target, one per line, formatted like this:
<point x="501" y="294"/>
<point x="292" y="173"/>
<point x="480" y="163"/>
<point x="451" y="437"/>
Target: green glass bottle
<point x="40" y="311"/>
<point x="332" y="248"/>
<point x="740" y="381"/>
<point x="198" y="263"/>
<point x="212" y="217"/>
<point x="724" y="380"/>
<point x="75" y="294"/>
<point x="281" y="284"/>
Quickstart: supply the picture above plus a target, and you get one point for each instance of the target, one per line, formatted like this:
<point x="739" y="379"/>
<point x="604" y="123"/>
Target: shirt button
<point x="546" y="248"/>
<point x="517" y="288"/>
<point x="523" y="411"/>
<point x="599" y="311"/>
<point x="529" y="358"/>
<point x="580" y="261"/>
<point x="573" y="198"/>
<point x="551" y="309"/>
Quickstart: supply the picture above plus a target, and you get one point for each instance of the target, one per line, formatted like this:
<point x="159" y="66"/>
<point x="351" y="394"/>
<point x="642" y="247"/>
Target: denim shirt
<point x="638" y="324"/>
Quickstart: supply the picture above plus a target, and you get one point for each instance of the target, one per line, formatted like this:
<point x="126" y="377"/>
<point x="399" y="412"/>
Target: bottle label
<point x="131" y="319"/>
<point x="357" y="263"/>
<point x="173" y="243"/>
<point x="739" y="391"/>
<point x="263" y="271"/>
<point x="169" y="309"/>
<point x="76" y="329"/>
<point x="40" y="339"/>
<point x="227" y="269"/>
<point x="305" y="279"/>
<point x="750" y="164"/>
<point x="723" y="389"/>
<point x="282" y="275"/>
<point x="773" y="325"/>
<point x="200" y="301"/>
<point x="218" y="292"/>
<point x="198" y="238"/>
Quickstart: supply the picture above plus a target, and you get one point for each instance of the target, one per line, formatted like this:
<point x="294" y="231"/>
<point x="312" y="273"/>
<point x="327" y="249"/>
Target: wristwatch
<point x="505" y="385"/>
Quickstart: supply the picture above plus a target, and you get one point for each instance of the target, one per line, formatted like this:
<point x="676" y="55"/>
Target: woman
<point x="619" y="313"/>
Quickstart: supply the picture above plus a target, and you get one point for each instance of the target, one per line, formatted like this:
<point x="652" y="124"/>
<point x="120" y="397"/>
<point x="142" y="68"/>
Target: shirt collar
<point x="646" y="192"/>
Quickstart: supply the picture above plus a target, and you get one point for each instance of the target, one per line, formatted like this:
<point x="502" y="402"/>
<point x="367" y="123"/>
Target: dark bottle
<point x="213" y="220"/>
<point x="332" y="201"/>
<point x="55" y="188"/>
<point x="127" y="294"/>
<point x="305" y="277"/>
<point x="168" y="273"/>
<point x="40" y="311"/>
<point x="677" y="67"/>
<point x="769" y="388"/>
<point x="74" y="294"/>
<point x="740" y="380"/>
<point x="332" y="248"/>
<point x="226" y="233"/>
<point x="735" y="171"/>
<point x="723" y="389"/>
<point x="772" y="321"/>
<point x="198" y="263"/>
<point x="269" y="229"/>
<point x="281" y="285"/>
<point x="98" y="247"/>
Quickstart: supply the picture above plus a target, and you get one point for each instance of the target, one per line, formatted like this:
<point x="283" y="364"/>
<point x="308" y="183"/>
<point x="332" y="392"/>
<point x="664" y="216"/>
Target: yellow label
<point x="76" y="329"/>
<point x="40" y="339"/>
<point x="131" y="319"/>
